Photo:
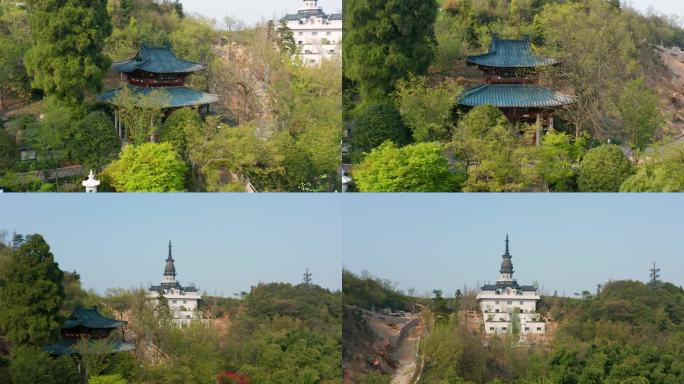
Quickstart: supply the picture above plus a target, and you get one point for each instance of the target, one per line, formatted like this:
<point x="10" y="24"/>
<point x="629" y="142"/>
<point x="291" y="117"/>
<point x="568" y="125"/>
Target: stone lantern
<point x="90" y="184"/>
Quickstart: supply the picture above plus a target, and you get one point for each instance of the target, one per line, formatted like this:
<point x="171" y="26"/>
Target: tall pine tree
<point x="31" y="294"/>
<point x="385" y="40"/>
<point x="66" y="57"/>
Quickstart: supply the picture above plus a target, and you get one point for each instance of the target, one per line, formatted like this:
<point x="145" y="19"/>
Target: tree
<point x="8" y="150"/>
<point x="107" y="379"/>
<point x="419" y="167"/>
<point x="14" y="42"/>
<point x="68" y="36"/>
<point x="427" y="110"/>
<point x="286" y="41"/>
<point x="603" y="169"/>
<point x="30" y="365"/>
<point x="592" y="60"/>
<point x="662" y="171"/>
<point x="141" y="113"/>
<point x="94" y="141"/>
<point x="32" y="294"/>
<point x="376" y="124"/>
<point x="640" y="115"/>
<point x="386" y="40"/>
<point x="178" y="126"/>
<point x="148" y="167"/>
<point x="549" y="165"/>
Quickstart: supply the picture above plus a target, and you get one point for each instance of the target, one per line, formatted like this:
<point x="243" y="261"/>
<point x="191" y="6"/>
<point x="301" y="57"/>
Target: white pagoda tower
<point x="182" y="301"/>
<point x="502" y="301"/>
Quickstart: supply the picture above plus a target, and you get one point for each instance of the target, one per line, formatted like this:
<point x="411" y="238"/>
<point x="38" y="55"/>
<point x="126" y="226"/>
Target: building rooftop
<point x="510" y="54"/>
<point x="157" y="60"/>
<point x="178" y="96"/>
<point x="90" y="318"/>
<point x="68" y="347"/>
<point x="513" y="96"/>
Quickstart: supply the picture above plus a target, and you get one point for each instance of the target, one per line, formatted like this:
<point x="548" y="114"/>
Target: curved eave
<point x="486" y="61"/>
<point x="179" y="96"/>
<point x="514" y="96"/>
<point x="130" y="66"/>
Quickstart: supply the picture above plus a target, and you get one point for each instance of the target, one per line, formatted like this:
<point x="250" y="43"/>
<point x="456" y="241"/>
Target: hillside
<point x="598" y="111"/>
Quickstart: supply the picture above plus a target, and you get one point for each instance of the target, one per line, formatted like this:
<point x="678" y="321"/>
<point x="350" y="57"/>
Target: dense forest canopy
<point x="628" y="332"/>
<point x="275" y="333"/>
<point x="274" y="113"/>
<point x="609" y="60"/>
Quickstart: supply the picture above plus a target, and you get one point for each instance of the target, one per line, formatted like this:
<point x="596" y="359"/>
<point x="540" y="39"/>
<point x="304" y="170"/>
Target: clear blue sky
<point x="252" y="11"/>
<point x="565" y="242"/>
<point x="224" y="243"/>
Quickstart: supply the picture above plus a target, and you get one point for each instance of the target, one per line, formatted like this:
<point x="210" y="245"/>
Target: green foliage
<point x="68" y="36"/>
<point x="288" y="335"/>
<point x="107" y="379"/>
<point x="662" y="171"/>
<point x="419" y="167"/>
<point x="30" y="365"/>
<point x="31" y="294"/>
<point x="384" y="41"/>
<point x="94" y="142"/>
<point x="8" y="150"/>
<point x="640" y="115"/>
<point x="176" y="127"/>
<point x="148" y="167"/>
<point x="427" y="110"/>
<point x="369" y="292"/>
<point x="14" y="42"/>
<point x="594" y="63"/>
<point x="603" y="169"/>
<point x="11" y="182"/>
<point x="376" y="124"/>
<point x="140" y="113"/>
<point x="286" y="41"/>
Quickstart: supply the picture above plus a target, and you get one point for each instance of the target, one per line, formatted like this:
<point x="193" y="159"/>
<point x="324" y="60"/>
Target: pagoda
<point x="88" y="324"/>
<point x="511" y="83"/>
<point x="183" y="301"/>
<point x="501" y="301"/>
<point x="158" y="68"/>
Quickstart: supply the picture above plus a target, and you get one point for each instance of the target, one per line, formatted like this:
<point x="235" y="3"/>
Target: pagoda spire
<point x="506" y="270"/>
<point x="170" y="268"/>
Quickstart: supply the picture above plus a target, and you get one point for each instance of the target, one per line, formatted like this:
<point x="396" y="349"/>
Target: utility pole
<point x="307" y="278"/>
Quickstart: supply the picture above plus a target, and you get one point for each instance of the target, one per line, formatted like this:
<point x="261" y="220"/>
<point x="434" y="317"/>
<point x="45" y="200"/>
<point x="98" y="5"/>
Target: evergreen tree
<point x="286" y="41"/>
<point x="32" y="294"/>
<point x="66" y="56"/>
<point x="385" y="40"/>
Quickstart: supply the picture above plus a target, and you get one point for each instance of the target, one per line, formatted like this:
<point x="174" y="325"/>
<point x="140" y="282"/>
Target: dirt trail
<point x="406" y="354"/>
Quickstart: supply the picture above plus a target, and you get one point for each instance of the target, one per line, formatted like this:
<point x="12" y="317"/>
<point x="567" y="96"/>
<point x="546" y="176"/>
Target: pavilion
<point x="512" y="74"/>
<point x="158" y="68"/>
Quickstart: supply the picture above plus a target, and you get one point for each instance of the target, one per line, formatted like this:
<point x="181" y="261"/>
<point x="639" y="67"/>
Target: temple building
<point x="318" y="35"/>
<point x="88" y="324"/>
<point x="511" y="72"/>
<point x="158" y="68"/>
<point x="500" y="303"/>
<point x="182" y="301"/>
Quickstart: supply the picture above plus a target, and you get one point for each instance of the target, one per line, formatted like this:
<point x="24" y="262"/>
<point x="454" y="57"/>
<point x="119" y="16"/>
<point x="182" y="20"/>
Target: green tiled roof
<point x="513" y="96"/>
<point x="510" y="54"/>
<point x="68" y="347"/>
<point x="90" y="318"/>
<point x="178" y="96"/>
<point x="157" y="60"/>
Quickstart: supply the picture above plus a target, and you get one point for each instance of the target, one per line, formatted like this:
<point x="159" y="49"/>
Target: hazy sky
<point x="252" y="11"/>
<point x="666" y="7"/>
<point x="565" y="242"/>
<point x="224" y="243"/>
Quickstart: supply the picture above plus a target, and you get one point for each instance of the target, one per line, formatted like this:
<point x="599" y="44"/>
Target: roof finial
<point x="170" y="257"/>
<point x="507" y="243"/>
